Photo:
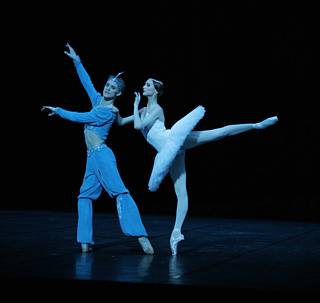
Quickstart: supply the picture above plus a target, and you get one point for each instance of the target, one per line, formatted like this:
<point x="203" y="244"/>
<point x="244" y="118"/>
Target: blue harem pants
<point x="101" y="172"/>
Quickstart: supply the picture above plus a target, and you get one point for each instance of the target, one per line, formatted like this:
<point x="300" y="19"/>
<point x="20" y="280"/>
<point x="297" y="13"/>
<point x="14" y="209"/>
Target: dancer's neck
<point x="152" y="100"/>
<point x="108" y="102"/>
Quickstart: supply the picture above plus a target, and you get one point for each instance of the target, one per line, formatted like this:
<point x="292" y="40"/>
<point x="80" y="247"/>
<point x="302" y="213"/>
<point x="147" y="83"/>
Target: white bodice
<point x="157" y="135"/>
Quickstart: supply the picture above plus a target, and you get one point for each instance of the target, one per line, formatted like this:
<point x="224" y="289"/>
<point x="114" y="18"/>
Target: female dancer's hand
<point x="51" y="110"/>
<point x="137" y="99"/>
<point x="71" y="53"/>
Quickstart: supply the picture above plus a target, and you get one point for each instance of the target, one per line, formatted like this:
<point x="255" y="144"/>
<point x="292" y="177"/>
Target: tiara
<point x="160" y="82"/>
<point x="115" y="78"/>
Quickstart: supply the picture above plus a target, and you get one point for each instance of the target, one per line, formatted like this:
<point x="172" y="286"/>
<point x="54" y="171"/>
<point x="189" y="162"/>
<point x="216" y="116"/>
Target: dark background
<point x="243" y="60"/>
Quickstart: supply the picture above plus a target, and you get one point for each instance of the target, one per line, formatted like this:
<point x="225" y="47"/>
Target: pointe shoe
<point x="146" y="245"/>
<point x="86" y="248"/>
<point x="266" y="123"/>
<point x="175" y="238"/>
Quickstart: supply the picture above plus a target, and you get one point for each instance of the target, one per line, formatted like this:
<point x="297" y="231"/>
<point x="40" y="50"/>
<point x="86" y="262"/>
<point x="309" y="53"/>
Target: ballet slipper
<point x="175" y="238"/>
<point x="266" y="123"/>
<point x="86" y="248"/>
<point x="146" y="245"/>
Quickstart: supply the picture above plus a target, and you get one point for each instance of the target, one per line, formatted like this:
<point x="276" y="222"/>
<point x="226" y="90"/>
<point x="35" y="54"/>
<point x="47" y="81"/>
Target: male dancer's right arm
<point x="84" y="76"/>
<point x="97" y="116"/>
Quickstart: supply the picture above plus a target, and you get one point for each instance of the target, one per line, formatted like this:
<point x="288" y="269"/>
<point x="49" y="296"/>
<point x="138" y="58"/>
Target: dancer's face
<point x="111" y="90"/>
<point x="149" y="89"/>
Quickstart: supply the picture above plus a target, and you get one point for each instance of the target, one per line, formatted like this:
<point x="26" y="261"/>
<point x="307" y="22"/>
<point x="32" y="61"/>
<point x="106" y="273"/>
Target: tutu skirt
<point x="173" y="145"/>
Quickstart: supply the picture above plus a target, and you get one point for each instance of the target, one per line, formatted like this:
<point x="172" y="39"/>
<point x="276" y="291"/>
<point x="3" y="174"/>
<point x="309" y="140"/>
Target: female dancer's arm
<point x="125" y="120"/>
<point x="148" y="119"/>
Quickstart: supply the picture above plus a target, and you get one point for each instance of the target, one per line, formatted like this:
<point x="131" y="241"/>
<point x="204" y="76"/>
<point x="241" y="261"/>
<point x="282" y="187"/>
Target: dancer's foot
<point x="266" y="123"/>
<point x="175" y="238"/>
<point x="86" y="248"/>
<point x="146" y="245"/>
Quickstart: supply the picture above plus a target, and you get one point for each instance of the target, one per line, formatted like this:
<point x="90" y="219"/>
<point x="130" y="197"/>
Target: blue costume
<point x="101" y="167"/>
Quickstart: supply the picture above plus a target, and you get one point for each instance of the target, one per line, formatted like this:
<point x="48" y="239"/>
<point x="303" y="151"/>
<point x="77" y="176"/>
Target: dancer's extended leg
<point x="201" y="137"/>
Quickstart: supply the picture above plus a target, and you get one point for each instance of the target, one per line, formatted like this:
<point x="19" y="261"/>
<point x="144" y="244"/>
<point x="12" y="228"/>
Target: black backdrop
<point x="243" y="61"/>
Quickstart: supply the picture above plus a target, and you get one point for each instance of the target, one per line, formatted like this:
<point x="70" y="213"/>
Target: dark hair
<point x="158" y="86"/>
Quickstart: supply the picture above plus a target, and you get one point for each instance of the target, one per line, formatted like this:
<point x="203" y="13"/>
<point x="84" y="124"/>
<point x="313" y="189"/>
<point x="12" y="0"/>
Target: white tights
<point x="178" y="170"/>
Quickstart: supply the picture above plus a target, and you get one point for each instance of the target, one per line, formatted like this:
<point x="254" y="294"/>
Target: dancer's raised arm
<point x="148" y="117"/>
<point x="83" y="75"/>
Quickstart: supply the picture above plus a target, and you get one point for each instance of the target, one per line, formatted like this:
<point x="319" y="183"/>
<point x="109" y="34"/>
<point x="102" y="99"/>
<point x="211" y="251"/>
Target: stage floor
<point x="218" y="255"/>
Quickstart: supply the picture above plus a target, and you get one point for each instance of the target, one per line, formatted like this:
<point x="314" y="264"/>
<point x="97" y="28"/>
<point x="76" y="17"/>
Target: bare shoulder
<point x="157" y="108"/>
<point x="160" y="111"/>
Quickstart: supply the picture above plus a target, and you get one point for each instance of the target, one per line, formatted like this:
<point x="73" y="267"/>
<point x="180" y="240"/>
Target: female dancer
<point x="171" y="145"/>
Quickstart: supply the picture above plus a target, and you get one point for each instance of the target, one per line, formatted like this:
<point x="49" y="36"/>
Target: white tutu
<point x="169" y="143"/>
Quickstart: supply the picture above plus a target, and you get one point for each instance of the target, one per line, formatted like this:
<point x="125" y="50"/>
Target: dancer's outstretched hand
<point x="50" y="109"/>
<point x="137" y="99"/>
<point x="71" y="53"/>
